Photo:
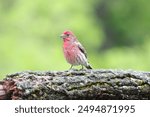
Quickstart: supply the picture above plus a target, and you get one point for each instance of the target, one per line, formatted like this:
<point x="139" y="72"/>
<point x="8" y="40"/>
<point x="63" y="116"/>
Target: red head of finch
<point x="74" y="52"/>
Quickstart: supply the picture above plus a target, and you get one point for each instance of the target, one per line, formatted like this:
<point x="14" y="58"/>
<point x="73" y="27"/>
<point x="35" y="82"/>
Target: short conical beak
<point x="62" y="36"/>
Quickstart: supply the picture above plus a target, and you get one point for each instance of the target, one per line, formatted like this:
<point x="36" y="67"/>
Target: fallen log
<point x="76" y="84"/>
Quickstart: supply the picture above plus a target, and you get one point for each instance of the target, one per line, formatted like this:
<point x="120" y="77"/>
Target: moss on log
<point x="74" y="84"/>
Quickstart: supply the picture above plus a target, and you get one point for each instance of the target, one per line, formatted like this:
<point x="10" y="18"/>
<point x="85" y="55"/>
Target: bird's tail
<point x="88" y="67"/>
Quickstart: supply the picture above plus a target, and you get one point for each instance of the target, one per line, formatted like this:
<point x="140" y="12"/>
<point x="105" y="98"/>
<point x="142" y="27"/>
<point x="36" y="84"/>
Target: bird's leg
<point x="71" y="67"/>
<point x="82" y="68"/>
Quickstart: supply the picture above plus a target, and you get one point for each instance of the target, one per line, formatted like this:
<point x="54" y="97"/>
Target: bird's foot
<point x="82" y="69"/>
<point x="73" y="69"/>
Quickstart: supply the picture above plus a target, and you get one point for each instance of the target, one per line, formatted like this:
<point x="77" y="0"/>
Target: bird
<point x="73" y="50"/>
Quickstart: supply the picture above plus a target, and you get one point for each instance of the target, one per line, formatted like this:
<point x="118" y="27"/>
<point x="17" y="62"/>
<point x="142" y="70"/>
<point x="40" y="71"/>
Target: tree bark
<point x="75" y="84"/>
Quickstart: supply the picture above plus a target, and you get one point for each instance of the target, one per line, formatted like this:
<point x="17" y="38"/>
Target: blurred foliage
<point x="125" y="22"/>
<point x="30" y="30"/>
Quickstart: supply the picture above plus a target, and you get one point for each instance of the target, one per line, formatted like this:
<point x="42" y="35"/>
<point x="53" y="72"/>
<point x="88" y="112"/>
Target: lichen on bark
<point x="77" y="84"/>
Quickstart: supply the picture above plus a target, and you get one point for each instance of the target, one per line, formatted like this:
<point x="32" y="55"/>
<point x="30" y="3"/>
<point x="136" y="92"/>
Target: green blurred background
<point x="115" y="33"/>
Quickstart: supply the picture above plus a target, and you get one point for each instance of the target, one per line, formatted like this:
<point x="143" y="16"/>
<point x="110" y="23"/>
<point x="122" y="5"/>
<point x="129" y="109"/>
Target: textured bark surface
<point x="84" y="84"/>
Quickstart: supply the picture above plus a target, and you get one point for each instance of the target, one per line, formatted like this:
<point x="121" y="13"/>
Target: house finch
<point x="74" y="52"/>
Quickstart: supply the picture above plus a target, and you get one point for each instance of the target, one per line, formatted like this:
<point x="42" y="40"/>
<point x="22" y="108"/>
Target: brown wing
<point x="82" y="49"/>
